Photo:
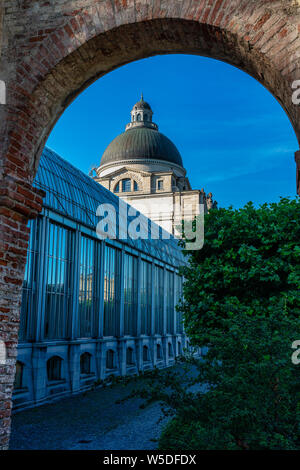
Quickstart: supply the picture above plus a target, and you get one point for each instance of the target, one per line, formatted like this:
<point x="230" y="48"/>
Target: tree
<point x="241" y="300"/>
<point x="250" y="262"/>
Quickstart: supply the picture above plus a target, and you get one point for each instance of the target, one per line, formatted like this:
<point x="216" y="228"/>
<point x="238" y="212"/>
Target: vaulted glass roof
<point x="75" y="195"/>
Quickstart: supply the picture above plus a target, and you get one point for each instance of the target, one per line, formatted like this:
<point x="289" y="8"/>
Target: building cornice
<point x="146" y="161"/>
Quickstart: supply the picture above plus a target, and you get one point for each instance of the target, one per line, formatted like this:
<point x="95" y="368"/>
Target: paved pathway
<point x="89" y="421"/>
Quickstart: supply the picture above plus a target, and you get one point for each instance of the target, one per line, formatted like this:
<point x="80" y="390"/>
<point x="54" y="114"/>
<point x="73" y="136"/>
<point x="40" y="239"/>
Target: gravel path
<point x="90" y="421"/>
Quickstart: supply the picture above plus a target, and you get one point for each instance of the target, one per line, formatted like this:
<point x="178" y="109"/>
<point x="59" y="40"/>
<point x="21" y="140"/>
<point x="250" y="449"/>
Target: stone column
<point x="74" y="370"/>
<point x="18" y="203"/>
<point x="39" y="354"/>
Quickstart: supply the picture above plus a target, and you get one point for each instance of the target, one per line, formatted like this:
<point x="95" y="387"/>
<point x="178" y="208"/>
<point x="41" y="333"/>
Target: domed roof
<point x="142" y="105"/>
<point x="141" y="143"/>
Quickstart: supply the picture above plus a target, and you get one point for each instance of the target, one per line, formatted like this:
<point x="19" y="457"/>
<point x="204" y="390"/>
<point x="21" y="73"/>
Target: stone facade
<point x="49" y="54"/>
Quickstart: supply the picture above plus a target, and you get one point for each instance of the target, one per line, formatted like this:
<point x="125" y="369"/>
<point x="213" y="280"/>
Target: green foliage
<point x="242" y="301"/>
<point x="251" y="398"/>
<point x="250" y="262"/>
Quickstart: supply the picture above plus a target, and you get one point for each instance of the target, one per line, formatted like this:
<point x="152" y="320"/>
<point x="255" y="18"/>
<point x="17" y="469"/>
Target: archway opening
<point x="48" y="95"/>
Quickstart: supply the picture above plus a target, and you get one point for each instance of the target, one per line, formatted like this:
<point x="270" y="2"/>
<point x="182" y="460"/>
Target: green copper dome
<point x="141" y="143"/>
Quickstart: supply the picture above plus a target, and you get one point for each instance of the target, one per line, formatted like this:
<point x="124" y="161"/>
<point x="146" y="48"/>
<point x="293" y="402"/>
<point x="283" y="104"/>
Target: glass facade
<point x="111" y="291"/>
<point x="179" y="294"/>
<point x="169" y="293"/>
<point x="76" y="196"/>
<point x="29" y="293"/>
<point x="130" y="294"/>
<point x="59" y="301"/>
<point x="58" y="273"/>
<point x="87" y="287"/>
<point x="159" y="299"/>
<point x="146" y="297"/>
<point x="90" y="306"/>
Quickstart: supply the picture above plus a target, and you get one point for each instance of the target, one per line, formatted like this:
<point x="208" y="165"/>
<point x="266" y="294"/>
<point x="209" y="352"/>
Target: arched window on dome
<point x="138" y="117"/>
<point x="135" y="186"/>
<point x="126" y="185"/>
<point x="117" y="188"/>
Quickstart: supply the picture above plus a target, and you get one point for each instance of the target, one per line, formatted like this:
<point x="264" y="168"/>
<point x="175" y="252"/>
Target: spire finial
<point x="142" y="97"/>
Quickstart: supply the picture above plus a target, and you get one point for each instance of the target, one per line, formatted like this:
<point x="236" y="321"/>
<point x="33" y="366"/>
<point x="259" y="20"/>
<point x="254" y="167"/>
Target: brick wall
<point x="51" y="51"/>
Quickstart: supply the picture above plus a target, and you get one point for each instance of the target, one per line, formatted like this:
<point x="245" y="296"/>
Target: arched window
<point x="19" y="375"/>
<point x="129" y="356"/>
<point x="126" y="185"/>
<point x="145" y="354"/>
<point x="135" y="186"/>
<point x="138" y="117"/>
<point x="110" y="359"/>
<point x="85" y="363"/>
<point x="54" y="368"/>
<point x="158" y="352"/>
<point x="117" y="188"/>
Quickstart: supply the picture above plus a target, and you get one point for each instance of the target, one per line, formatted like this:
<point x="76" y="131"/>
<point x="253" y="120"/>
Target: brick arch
<point x="48" y="57"/>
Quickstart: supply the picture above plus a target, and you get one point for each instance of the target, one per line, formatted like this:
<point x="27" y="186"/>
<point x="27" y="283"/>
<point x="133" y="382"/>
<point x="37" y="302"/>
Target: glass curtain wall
<point x="88" y="295"/>
<point x="159" y="300"/>
<point x="111" y="291"/>
<point x="179" y="295"/>
<point x="169" y="290"/>
<point x="58" y="272"/>
<point x="130" y="294"/>
<point x="146" y="297"/>
<point x="29" y="293"/>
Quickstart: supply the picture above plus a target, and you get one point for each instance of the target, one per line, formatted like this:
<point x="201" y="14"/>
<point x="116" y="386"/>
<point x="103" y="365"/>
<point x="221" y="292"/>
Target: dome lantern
<point x="141" y="115"/>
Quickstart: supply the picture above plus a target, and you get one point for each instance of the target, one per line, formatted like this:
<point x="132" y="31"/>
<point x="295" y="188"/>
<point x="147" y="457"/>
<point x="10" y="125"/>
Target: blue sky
<point x="235" y="139"/>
